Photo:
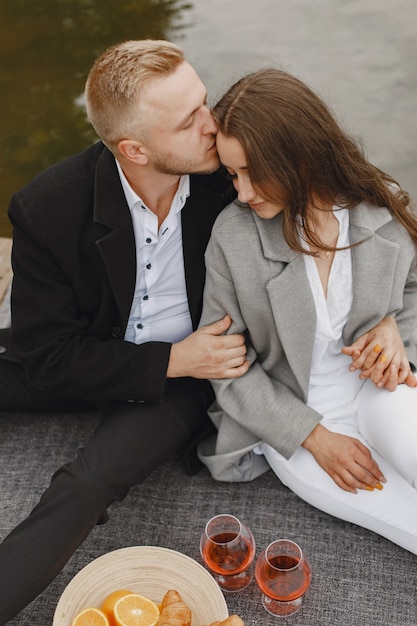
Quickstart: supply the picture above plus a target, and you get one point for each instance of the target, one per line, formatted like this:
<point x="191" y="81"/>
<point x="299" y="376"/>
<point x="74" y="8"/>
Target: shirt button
<point x="148" y="240"/>
<point x="139" y="326"/>
<point x="148" y="267"/>
<point x="145" y="297"/>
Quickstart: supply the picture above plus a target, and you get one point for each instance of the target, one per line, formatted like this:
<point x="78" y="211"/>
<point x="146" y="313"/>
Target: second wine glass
<point x="283" y="575"/>
<point x="228" y="549"/>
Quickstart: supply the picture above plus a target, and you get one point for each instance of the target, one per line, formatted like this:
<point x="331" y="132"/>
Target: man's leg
<point x="131" y="441"/>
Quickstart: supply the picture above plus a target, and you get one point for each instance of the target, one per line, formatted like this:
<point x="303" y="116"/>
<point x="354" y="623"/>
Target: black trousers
<point x="131" y="440"/>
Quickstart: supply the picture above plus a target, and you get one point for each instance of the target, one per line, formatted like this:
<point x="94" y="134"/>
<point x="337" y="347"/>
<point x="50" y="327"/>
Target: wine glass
<point x="227" y="548"/>
<point x="283" y="575"/>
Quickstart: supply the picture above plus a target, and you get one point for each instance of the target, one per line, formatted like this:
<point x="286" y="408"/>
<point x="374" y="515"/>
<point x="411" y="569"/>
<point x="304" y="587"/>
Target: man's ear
<point x="133" y="151"/>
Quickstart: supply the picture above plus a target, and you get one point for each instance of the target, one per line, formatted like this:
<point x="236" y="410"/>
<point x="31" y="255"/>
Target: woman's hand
<point x="381" y="356"/>
<point x="345" y="459"/>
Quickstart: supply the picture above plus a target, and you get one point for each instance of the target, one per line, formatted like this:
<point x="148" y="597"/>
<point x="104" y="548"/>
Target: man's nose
<point x="209" y="125"/>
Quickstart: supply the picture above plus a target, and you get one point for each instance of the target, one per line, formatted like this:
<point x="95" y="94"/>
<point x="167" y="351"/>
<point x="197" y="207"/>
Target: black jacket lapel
<point x="117" y="245"/>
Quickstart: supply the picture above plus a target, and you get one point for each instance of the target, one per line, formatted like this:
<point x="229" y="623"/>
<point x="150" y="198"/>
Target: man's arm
<point x="381" y="355"/>
<point x="209" y="353"/>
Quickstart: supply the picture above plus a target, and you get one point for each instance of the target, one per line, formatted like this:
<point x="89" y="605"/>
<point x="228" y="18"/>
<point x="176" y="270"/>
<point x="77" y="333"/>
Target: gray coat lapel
<point x="291" y="300"/>
<point x="373" y="267"/>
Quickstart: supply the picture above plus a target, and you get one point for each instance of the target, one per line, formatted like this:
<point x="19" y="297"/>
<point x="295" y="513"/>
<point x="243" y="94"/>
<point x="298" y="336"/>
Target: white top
<point x="331" y="384"/>
<point x="159" y="309"/>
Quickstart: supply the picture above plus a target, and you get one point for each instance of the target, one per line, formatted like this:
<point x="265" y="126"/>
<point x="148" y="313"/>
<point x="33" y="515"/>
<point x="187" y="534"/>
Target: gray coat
<point x="253" y="275"/>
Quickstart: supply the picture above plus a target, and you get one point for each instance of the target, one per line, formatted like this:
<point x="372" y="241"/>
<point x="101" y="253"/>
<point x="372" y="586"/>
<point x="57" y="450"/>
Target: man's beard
<point x="167" y="164"/>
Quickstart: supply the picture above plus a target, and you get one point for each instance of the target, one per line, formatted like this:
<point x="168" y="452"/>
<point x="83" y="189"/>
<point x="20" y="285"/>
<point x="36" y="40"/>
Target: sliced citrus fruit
<point x="109" y="601"/>
<point x="135" y="610"/>
<point x="90" y="617"/>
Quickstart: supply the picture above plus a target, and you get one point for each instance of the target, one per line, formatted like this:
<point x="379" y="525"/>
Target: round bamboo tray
<point x="147" y="570"/>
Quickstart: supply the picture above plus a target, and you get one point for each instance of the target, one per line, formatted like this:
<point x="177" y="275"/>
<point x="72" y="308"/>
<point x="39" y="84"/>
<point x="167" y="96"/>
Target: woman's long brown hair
<point x="298" y="154"/>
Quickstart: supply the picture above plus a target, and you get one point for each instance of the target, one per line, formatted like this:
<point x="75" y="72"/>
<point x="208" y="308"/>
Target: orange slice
<point x="109" y="602"/>
<point x="90" y="617"/>
<point x="135" y="610"/>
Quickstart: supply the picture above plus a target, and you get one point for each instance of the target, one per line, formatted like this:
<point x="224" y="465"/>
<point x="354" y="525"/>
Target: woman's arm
<point x="265" y="407"/>
<point x="345" y="459"/>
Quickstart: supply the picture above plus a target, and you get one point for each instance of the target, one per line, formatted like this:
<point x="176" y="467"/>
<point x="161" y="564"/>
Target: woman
<point x="319" y="248"/>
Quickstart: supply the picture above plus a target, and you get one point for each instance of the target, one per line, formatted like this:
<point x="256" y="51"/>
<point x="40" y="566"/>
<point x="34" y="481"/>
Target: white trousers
<point x="386" y="422"/>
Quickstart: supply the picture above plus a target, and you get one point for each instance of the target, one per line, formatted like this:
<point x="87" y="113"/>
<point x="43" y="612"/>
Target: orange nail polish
<point x="379" y="486"/>
<point x="383" y="358"/>
<point x="369" y="488"/>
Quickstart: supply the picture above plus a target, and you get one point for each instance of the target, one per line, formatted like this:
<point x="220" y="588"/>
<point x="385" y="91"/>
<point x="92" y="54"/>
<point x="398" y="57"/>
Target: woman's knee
<point x="387" y="421"/>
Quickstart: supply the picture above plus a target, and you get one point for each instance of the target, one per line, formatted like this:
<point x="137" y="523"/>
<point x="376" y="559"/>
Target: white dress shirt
<point x="159" y="309"/>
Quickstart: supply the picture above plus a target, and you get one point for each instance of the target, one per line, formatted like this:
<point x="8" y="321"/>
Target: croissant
<point x="174" y="611"/>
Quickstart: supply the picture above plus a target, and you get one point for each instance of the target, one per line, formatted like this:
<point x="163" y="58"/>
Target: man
<point x="108" y="261"/>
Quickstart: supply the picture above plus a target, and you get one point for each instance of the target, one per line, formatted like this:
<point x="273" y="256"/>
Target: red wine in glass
<point x="228" y="550"/>
<point x="283" y="575"/>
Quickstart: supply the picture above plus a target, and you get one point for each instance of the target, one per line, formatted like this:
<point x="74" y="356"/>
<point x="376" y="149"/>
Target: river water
<point x="360" y="55"/>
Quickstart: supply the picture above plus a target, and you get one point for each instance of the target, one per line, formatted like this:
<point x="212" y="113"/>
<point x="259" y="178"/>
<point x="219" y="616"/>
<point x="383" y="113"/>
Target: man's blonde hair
<point x="115" y="81"/>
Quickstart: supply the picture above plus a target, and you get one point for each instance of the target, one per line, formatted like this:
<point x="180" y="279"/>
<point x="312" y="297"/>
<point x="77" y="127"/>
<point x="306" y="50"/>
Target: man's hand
<point x="345" y="459"/>
<point x="381" y="356"/>
<point x="209" y="353"/>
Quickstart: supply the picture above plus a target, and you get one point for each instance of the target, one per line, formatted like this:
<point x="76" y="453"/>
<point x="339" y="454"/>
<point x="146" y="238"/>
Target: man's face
<point x="181" y="136"/>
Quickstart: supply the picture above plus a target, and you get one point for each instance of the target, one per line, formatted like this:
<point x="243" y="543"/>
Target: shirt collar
<point x="132" y="197"/>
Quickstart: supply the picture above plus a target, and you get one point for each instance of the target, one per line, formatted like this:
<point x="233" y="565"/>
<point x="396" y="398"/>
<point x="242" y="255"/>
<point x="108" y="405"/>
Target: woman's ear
<point x="133" y="151"/>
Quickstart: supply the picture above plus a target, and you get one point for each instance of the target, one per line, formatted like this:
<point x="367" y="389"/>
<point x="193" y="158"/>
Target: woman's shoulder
<point x="369" y="216"/>
<point x="232" y="215"/>
<point x="233" y="230"/>
<point x="380" y="222"/>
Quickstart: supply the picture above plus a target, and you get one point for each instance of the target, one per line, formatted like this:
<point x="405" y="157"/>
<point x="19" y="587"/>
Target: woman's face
<point x="234" y="160"/>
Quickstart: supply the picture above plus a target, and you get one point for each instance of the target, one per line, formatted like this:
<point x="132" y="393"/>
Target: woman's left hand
<point x="381" y="356"/>
<point x="347" y="461"/>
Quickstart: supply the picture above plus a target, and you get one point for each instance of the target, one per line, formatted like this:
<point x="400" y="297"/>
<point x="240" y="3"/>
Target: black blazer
<point x="74" y="265"/>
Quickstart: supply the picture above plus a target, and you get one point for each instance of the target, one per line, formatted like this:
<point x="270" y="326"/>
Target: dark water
<point x="360" y="55"/>
<point x="46" y="49"/>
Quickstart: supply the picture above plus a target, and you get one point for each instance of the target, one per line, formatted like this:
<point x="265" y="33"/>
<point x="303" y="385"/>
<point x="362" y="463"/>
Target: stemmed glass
<point x="227" y="548"/>
<point x="283" y="575"/>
